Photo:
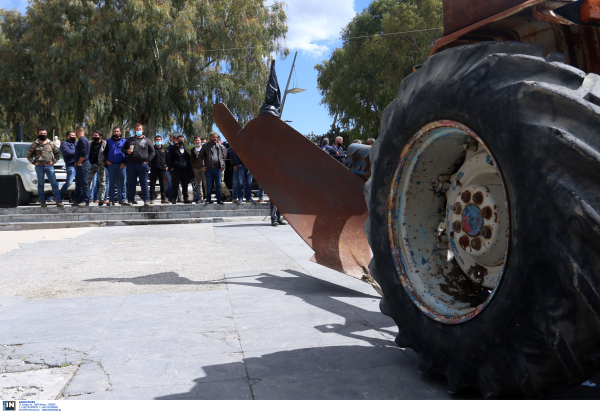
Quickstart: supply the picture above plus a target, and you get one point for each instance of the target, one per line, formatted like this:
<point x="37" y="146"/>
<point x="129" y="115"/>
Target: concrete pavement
<point x="206" y="311"/>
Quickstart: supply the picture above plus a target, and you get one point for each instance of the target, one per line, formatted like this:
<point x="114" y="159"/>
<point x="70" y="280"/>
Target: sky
<point x="314" y="29"/>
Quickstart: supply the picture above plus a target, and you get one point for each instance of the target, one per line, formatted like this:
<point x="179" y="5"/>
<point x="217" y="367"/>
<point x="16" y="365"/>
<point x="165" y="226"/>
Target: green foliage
<point x="120" y="62"/>
<point x="362" y="78"/>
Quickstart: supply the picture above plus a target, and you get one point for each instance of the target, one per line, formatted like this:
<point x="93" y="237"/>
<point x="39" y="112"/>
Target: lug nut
<point x="486" y="232"/>
<point x="464" y="241"/>
<point x="478" y="198"/>
<point x="466" y="196"/>
<point x="476" y="243"/>
<point x="457" y="208"/>
<point x="486" y="213"/>
<point x="456" y="226"/>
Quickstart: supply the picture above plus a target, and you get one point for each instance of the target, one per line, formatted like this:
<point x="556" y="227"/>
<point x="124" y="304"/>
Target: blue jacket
<point x="113" y="152"/>
<point x="82" y="149"/>
<point x="329" y="149"/>
<point x="68" y="151"/>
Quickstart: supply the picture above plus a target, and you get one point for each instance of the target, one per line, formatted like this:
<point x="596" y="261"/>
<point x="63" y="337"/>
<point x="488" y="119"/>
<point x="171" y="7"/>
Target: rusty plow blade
<point x="321" y="199"/>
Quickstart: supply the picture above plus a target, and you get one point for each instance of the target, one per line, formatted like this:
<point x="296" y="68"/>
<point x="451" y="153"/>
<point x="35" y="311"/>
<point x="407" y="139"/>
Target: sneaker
<point x="151" y="202"/>
<point x="111" y="203"/>
<point x="146" y="203"/>
<point x="125" y="203"/>
<point x="281" y="222"/>
<point x="220" y="202"/>
<point x="60" y="205"/>
<point x="234" y="201"/>
<point x="274" y="224"/>
<point x="260" y="201"/>
<point x="164" y="201"/>
<point x="250" y="201"/>
<point x="43" y="204"/>
<point x="200" y="202"/>
<point x="95" y="201"/>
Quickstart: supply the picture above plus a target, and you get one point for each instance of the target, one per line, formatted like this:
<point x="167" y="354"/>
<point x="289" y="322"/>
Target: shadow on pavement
<point x="378" y="371"/>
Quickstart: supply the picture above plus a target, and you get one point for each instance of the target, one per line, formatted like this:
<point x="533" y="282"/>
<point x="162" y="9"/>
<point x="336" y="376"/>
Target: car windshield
<point x="22" y="148"/>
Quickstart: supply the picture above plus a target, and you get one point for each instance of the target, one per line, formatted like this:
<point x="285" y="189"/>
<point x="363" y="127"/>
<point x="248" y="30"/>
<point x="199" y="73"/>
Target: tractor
<point x="476" y="214"/>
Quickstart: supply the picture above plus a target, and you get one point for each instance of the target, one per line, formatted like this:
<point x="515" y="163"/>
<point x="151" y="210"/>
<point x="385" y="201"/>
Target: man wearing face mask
<point x="158" y="170"/>
<point x="67" y="148"/>
<point x="97" y="149"/>
<point x="139" y="151"/>
<point x="43" y="155"/>
<point x="82" y="167"/>
<point x="181" y="169"/>
<point x="197" y="167"/>
<point x="212" y="157"/>
<point x="115" y="163"/>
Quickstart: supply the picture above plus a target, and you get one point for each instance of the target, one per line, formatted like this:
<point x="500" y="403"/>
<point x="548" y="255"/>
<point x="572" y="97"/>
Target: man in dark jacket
<point x="82" y="167"/>
<point x="67" y="148"/>
<point x="212" y="157"/>
<point x="341" y="155"/>
<point x="139" y="151"/>
<point x="158" y="170"/>
<point x="178" y="158"/>
<point x="97" y="149"/>
<point x="197" y="168"/>
<point x="115" y="162"/>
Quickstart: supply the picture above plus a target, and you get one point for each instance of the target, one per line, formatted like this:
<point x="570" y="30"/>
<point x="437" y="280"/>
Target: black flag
<point x="272" y="102"/>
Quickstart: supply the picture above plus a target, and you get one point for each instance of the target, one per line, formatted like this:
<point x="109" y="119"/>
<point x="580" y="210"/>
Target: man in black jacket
<point x="158" y="170"/>
<point x="178" y="161"/>
<point x="139" y="152"/>
<point x="212" y="157"/>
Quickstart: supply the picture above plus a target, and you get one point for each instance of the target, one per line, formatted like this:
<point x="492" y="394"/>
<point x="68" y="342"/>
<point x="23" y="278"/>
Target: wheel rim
<point x="448" y="222"/>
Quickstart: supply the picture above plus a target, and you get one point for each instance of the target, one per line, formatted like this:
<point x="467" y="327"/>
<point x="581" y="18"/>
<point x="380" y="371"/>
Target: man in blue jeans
<point x="115" y="162"/>
<point x="44" y="155"/>
<point x="139" y="151"/>
<point x="212" y="158"/>
<point x="82" y="167"/>
<point x="67" y="148"/>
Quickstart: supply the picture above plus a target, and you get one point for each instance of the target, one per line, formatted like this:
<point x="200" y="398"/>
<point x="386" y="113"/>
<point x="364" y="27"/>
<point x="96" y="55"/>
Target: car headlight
<point x="31" y="167"/>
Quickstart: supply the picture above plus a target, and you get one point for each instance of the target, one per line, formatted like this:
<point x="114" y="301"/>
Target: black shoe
<point x="174" y="202"/>
<point x="200" y="202"/>
<point x="220" y="202"/>
<point x="187" y="202"/>
<point x="87" y="204"/>
<point x="135" y="202"/>
<point x="274" y="224"/>
<point x="281" y="222"/>
<point x="210" y="202"/>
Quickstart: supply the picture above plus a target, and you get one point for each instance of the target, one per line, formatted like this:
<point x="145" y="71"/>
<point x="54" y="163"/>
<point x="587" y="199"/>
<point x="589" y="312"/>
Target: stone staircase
<point x="34" y="217"/>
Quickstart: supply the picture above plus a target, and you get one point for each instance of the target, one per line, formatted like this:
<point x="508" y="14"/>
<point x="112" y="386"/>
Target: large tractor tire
<point x="484" y="219"/>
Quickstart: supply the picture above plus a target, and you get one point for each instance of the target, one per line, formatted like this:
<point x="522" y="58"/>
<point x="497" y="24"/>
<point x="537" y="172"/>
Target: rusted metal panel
<point x="320" y="198"/>
<point x="452" y="35"/>
<point x="535" y="22"/>
<point x="359" y="161"/>
<point x="462" y="13"/>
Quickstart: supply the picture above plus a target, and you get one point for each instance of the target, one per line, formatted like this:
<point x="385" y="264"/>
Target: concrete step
<point x="137" y="215"/>
<point x="134" y="222"/>
<point x="93" y="208"/>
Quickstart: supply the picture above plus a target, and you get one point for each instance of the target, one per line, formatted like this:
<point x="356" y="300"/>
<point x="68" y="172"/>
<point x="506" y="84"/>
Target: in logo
<point x="9" y="405"/>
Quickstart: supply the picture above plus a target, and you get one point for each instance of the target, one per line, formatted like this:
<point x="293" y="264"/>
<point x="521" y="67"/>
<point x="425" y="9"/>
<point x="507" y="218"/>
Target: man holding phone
<point x="139" y="151"/>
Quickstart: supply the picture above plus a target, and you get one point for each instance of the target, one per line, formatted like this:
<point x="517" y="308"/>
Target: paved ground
<point x="223" y="311"/>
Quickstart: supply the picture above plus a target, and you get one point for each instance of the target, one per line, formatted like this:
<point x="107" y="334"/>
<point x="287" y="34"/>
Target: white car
<point x="13" y="161"/>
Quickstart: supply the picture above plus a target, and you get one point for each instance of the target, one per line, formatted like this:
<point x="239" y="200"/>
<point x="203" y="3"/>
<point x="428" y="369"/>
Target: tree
<point x="120" y="62"/>
<point x="363" y="76"/>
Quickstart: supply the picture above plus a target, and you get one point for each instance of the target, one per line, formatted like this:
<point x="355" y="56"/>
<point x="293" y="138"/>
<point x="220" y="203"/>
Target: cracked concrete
<point x="189" y="319"/>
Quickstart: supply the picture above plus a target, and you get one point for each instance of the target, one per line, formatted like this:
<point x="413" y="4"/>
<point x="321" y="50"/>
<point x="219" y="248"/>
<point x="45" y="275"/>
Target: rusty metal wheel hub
<point x="448" y="222"/>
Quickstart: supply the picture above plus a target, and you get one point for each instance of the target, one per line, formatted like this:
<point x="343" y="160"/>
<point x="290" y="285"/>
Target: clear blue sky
<point x="314" y="31"/>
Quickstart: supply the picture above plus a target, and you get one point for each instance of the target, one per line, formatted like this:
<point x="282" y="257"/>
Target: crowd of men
<point x="125" y="162"/>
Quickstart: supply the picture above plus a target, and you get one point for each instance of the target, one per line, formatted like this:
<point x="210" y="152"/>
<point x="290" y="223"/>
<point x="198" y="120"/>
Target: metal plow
<point x="321" y="199"/>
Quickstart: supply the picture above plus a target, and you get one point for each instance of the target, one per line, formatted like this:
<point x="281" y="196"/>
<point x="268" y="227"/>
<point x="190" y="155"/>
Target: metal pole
<point x="288" y="85"/>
